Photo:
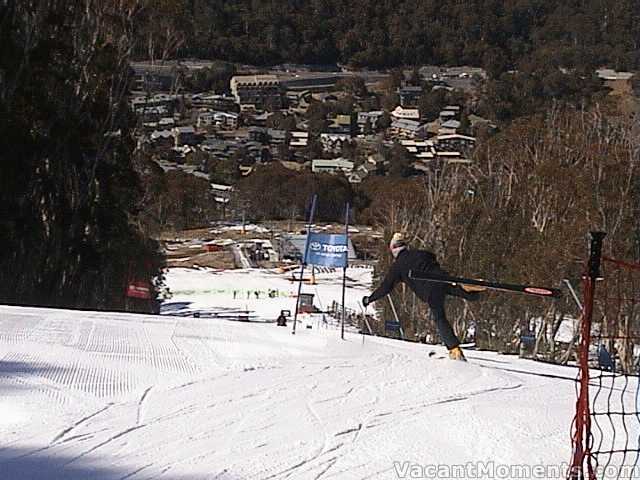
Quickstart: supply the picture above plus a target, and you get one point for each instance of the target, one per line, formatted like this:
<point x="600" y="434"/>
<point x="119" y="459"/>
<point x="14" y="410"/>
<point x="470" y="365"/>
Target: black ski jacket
<point x="417" y="260"/>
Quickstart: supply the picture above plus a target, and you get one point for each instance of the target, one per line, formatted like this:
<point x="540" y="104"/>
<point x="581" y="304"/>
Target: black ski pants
<point x="436" y="301"/>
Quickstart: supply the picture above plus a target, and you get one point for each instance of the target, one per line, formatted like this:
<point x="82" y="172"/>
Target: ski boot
<point x="472" y="288"/>
<point x="456" y="354"/>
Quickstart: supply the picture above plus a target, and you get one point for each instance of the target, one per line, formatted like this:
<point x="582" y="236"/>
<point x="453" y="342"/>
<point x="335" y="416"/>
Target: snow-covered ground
<point x="208" y="290"/>
<point x="87" y="395"/>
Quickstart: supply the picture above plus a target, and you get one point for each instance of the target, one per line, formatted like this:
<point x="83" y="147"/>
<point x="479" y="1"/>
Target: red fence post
<point x="582" y="424"/>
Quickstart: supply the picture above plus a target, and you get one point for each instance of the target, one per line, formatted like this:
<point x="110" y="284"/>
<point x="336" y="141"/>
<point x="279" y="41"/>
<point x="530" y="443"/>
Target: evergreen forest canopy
<point x="498" y="35"/>
<point x="69" y="185"/>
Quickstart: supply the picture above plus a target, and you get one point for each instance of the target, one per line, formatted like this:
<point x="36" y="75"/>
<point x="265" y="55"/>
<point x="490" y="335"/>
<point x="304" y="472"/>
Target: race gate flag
<point x="328" y="250"/>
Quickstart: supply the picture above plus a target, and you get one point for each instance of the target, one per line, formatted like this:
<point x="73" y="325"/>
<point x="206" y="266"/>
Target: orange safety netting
<point x="606" y="428"/>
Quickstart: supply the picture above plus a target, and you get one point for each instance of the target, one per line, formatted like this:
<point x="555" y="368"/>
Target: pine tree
<point x="69" y="188"/>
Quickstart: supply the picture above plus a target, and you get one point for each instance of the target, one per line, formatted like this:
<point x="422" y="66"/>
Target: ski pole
<point x="395" y="314"/>
<point x="364" y="316"/>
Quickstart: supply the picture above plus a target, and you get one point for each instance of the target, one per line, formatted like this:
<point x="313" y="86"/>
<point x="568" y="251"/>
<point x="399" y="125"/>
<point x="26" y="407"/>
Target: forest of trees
<point x="69" y="185"/>
<point x="499" y="35"/>
<point x="277" y="193"/>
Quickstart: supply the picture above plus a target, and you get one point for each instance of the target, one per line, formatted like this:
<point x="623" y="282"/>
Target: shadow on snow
<point x="24" y="464"/>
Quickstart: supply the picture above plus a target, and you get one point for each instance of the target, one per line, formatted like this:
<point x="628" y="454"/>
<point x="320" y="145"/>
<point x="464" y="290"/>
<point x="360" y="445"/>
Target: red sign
<point x="139" y="290"/>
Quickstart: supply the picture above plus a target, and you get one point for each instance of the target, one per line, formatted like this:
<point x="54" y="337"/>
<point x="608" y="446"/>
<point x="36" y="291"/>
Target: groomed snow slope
<point x="88" y="395"/>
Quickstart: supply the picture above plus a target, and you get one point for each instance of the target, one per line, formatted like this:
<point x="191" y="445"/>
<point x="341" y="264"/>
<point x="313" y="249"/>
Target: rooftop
<point x="187" y="129"/>
<point x="455" y="136"/>
<point x="451" y="124"/>
<point x="254" y="80"/>
<point x="406" y="124"/>
<point x="610" y="74"/>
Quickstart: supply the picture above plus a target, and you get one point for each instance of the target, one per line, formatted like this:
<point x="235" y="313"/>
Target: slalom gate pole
<point x="364" y="319"/>
<point x="344" y="269"/>
<point x="304" y="261"/>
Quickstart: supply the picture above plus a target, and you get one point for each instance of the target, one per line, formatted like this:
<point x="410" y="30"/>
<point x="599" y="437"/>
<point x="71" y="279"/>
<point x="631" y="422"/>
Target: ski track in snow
<point x="115" y="396"/>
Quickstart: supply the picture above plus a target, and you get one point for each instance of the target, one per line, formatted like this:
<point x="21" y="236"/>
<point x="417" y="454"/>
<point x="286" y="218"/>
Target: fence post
<point x="582" y="422"/>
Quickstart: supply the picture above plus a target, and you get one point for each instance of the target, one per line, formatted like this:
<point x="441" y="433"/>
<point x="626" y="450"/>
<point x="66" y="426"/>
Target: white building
<point x="405" y="128"/>
<point x="221" y="193"/>
<point x="332" y="166"/>
<point x="226" y="120"/>
<point x="206" y="119"/>
<point x="609" y="74"/>
<point x="372" y="117"/>
<point x="255" y="91"/>
<point x="299" y="139"/>
<point x="223" y="120"/>
<point x="334" y="141"/>
<point x="406" y="113"/>
<point x="166" y="122"/>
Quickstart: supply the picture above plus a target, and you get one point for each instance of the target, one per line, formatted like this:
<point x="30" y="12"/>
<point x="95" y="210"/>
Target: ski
<point x="505" y="287"/>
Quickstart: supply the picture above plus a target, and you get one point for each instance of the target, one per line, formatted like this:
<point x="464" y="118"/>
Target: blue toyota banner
<point x="329" y="250"/>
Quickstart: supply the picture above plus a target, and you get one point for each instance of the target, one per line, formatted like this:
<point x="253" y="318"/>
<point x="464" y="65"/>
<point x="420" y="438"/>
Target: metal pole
<point x="364" y="316"/>
<point x="344" y="277"/>
<point x="344" y="269"/>
<point x="395" y="314"/>
<point x="573" y="293"/>
<point x="304" y="261"/>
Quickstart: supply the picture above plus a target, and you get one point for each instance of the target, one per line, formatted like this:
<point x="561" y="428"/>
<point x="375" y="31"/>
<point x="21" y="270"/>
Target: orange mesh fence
<point x="606" y="428"/>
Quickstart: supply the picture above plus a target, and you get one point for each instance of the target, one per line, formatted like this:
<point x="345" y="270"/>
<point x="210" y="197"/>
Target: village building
<point x="461" y="143"/>
<point x="255" y="92"/>
<point x="449" y="127"/>
<point x="332" y="166"/>
<point x="333" y="142"/>
<point x="372" y="117"/>
<point x="299" y="140"/>
<point x="341" y="124"/>
<point x="221" y="193"/>
<point x="409" y="96"/>
<point x="226" y="120"/>
<point x="405" y="113"/>
<point x="276" y="137"/>
<point x="162" y="138"/>
<point x="446" y="115"/>
<point x="361" y="172"/>
<point x="618" y="82"/>
<point x="406" y="129"/>
<point x="185" y="136"/>
<point x="224" y="103"/>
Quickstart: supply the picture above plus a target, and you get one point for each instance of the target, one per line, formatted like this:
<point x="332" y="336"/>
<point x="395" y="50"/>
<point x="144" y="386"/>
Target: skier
<point x="432" y="293"/>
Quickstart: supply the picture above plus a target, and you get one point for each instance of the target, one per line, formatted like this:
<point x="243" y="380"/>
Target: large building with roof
<point x="257" y="91"/>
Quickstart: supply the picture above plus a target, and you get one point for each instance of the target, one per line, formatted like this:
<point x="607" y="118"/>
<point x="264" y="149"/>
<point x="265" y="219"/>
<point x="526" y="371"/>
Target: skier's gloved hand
<point x="365" y="301"/>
